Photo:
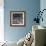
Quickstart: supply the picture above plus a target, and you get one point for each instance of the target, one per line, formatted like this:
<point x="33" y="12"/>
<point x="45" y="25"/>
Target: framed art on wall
<point x="17" y="18"/>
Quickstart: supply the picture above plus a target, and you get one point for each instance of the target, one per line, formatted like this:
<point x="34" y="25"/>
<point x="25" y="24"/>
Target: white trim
<point x="2" y="21"/>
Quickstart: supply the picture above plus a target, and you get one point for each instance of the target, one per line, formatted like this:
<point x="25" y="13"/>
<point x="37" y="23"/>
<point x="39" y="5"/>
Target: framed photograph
<point x="17" y="18"/>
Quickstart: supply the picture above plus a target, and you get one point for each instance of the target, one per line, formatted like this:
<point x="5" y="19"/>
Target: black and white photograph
<point x="17" y="18"/>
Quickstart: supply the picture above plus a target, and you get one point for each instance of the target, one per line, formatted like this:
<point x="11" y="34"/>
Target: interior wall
<point x="43" y="6"/>
<point x="30" y="6"/>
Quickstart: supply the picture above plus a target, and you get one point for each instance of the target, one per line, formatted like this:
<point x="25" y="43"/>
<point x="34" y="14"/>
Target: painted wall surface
<point x="43" y="6"/>
<point x="30" y="6"/>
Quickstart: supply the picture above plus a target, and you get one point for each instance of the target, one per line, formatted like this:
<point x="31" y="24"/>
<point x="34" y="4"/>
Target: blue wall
<point x="30" y="6"/>
<point x="43" y="6"/>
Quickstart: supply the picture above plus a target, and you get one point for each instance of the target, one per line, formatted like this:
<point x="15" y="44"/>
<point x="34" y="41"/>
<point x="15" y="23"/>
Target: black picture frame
<point x="17" y="18"/>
